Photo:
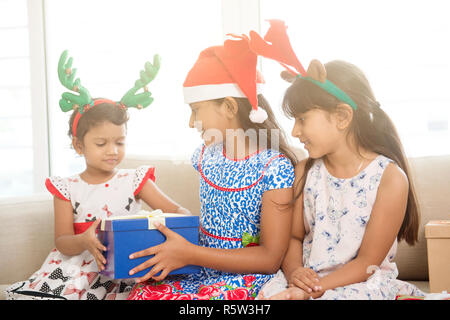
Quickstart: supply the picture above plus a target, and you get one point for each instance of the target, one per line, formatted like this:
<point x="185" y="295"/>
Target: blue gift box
<point x="125" y="235"/>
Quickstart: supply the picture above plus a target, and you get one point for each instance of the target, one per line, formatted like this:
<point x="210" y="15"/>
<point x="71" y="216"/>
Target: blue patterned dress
<point x="231" y="194"/>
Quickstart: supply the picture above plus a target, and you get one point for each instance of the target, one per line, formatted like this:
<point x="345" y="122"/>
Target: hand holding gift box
<point x="168" y="256"/>
<point x="142" y="235"/>
<point x="93" y="245"/>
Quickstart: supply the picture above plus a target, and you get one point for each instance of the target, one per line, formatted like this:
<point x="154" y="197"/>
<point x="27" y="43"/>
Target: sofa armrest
<point x="26" y="236"/>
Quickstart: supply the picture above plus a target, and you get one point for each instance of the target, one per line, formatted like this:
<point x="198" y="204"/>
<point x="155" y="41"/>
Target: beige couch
<point x="26" y="231"/>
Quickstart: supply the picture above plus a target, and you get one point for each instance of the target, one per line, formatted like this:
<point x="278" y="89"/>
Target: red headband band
<point x="94" y="103"/>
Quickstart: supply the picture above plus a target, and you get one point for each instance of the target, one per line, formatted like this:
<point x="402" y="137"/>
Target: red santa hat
<point x="226" y="71"/>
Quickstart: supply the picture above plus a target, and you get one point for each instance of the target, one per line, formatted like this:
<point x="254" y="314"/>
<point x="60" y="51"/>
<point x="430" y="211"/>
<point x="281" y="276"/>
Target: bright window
<point x="402" y="47"/>
<point x="16" y="149"/>
<point x="110" y="41"/>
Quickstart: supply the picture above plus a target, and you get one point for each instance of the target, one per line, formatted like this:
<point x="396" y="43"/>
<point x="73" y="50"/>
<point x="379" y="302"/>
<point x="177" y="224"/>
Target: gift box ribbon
<point x="152" y="217"/>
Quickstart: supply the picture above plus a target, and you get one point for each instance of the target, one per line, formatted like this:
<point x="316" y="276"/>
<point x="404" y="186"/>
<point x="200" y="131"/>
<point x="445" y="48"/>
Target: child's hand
<point x="306" y="279"/>
<point x="292" y="293"/>
<point x="94" y="246"/>
<point x="170" y="255"/>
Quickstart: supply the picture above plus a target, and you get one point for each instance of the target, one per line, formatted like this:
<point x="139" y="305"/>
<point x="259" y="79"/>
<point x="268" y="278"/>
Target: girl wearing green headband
<point x="354" y="198"/>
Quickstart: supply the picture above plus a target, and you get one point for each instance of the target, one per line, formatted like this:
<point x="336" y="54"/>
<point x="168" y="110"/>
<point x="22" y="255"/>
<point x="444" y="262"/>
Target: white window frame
<point x="240" y="17"/>
<point x="38" y="87"/>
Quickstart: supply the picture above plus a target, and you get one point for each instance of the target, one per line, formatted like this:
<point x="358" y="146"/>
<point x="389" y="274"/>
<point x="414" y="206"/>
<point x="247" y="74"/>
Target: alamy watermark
<point x="237" y="139"/>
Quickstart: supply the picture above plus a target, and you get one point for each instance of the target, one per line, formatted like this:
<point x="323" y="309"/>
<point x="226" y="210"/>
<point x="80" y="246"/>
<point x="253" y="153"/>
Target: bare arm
<point x="294" y="271"/>
<point x="381" y="231"/>
<point x="294" y="255"/>
<point x="265" y="258"/>
<point x="72" y="244"/>
<point x="176" y="252"/>
<point x="157" y="199"/>
<point x="65" y="240"/>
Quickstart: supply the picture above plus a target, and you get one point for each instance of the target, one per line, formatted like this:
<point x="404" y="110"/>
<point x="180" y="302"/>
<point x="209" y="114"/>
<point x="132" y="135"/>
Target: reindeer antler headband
<point x="276" y="46"/>
<point x="83" y="101"/>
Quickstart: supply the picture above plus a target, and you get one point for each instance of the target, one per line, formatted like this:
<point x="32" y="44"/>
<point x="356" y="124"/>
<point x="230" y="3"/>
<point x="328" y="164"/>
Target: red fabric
<point x="207" y="64"/>
<point x="52" y="189"/>
<point x="252" y="244"/>
<point x="276" y="46"/>
<point x="86" y="108"/>
<point x="403" y="297"/>
<point x="81" y="227"/>
<point x="151" y="290"/>
<point x="218" y="237"/>
<point x="149" y="175"/>
<point x="240" y="62"/>
<point x="233" y="62"/>
<point x="75" y="124"/>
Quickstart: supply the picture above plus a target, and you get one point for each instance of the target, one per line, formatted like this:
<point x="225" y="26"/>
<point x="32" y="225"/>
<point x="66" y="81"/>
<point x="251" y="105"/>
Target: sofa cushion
<point x="176" y="178"/>
<point x="431" y="177"/>
<point x="27" y="230"/>
<point x="2" y="291"/>
<point x="424" y="286"/>
<point x="26" y="237"/>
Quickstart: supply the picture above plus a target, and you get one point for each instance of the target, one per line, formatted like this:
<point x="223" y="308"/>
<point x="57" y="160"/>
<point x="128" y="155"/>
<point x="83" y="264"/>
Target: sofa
<point x="26" y="231"/>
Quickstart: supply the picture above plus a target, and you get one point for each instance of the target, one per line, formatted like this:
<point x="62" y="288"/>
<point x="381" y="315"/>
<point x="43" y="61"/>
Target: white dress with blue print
<point x="336" y="213"/>
<point x="231" y="194"/>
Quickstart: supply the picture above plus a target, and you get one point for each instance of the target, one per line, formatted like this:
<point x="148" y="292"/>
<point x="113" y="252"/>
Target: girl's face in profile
<point x="103" y="146"/>
<point x="317" y="130"/>
<point x="208" y="118"/>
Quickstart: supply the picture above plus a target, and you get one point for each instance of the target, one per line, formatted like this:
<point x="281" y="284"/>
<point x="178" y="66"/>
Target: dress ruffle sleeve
<point x="142" y="174"/>
<point x="58" y="187"/>
<point x="196" y="156"/>
<point x="279" y="173"/>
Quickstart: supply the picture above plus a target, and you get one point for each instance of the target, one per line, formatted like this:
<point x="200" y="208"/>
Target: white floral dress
<point x="76" y="277"/>
<point x="336" y="213"/>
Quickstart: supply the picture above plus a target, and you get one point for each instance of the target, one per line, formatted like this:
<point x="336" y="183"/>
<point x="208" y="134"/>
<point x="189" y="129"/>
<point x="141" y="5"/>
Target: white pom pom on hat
<point x="258" y="116"/>
<point x="226" y="71"/>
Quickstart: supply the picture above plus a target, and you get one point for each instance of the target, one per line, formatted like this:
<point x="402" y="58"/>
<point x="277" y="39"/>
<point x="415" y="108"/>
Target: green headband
<point x="332" y="89"/>
<point x="81" y="96"/>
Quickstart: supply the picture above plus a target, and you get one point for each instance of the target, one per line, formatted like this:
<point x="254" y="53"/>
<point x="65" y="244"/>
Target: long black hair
<point x="264" y="130"/>
<point x="96" y="115"/>
<point x="371" y="127"/>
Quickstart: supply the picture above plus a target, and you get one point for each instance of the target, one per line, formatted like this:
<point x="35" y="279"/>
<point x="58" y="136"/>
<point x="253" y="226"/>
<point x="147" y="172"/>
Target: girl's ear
<point x="316" y="70"/>
<point x="343" y="115"/>
<point x="230" y="107"/>
<point x="77" y="145"/>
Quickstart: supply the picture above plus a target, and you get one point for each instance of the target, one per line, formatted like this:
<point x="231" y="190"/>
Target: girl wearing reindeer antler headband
<point x="354" y="194"/>
<point x="98" y="131"/>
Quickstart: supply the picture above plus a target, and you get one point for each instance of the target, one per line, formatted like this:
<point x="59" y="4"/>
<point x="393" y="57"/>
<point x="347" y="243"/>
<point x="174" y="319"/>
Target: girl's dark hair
<point x="371" y="127"/>
<point x="244" y="108"/>
<point x="96" y="115"/>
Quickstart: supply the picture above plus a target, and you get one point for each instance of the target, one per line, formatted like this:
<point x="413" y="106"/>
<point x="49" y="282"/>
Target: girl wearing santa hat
<point x="246" y="172"/>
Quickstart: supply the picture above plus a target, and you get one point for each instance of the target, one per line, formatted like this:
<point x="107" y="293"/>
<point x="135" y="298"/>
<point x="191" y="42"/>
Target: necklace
<point x="360" y="166"/>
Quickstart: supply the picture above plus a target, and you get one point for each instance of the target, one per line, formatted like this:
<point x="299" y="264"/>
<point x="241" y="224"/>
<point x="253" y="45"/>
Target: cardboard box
<point x="125" y="235"/>
<point x="437" y="234"/>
